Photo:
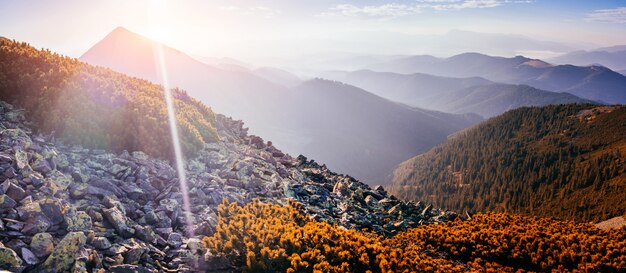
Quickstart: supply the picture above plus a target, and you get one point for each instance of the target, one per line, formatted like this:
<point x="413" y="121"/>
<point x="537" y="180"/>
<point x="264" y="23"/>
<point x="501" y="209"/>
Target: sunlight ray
<point x="171" y="115"/>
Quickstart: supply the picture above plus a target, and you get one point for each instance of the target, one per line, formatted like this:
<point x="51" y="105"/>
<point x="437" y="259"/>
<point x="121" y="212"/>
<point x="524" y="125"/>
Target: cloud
<point x="381" y="11"/>
<point x="249" y="11"/>
<point x="616" y="15"/>
<point x="393" y="10"/>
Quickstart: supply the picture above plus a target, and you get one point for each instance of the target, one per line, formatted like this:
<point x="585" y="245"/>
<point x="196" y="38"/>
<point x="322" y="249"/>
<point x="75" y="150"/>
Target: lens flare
<point x="171" y="116"/>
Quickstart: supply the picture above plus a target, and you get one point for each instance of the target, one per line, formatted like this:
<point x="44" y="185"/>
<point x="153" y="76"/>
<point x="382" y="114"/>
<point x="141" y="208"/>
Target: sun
<point x="158" y="33"/>
<point x="157" y="20"/>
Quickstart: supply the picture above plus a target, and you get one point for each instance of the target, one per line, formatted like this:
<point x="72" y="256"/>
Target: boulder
<point x="175" y="239"/>
<point x="13" y="190"/>
<point x="60" y="180"/>
<point x="42" y="165"/>
<point x="53" y="210"/>
<point x="29" y="257"/>
<point x="133" y="252"/>
<point x="101" y="243"/>
<point x="371" y="201"/>
<point x="63" y="256"/>
<point x="42" y="245"/>
<point x="118" y="220"/>
<point x="77" y="220"/>
<point x="21" y="159"/>
<point x="9" y="259"/>
<point x="145" y="234"/>
<point x="6" y="202"/>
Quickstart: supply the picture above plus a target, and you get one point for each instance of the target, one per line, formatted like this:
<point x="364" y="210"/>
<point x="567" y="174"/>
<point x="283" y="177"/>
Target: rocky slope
<point x="66" y="208"/>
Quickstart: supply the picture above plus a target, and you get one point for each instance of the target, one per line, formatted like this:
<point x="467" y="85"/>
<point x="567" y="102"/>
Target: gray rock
<point x="175" y="240"/>
<point x="118" y="220"/>
<point x="77" y="220"/>
<point x="42" y="166"/>
<point x="133" y="252"/>
<point x="60" y="180"/>
<point x="65" y="253"/>
<point x="6" y="202"/>
<point x="29" y="257"/>
<point x="9" y="259"/>
<point x="371" y="201"/>
<point x="53" y="210"/>
<point x="14" y="191"/>
<point x="42" y="244"/>
<point x="145" y="234"/>
<point x="36" y="224"/>
<point x="21" y="159"/>
<point x="101" y="243"/>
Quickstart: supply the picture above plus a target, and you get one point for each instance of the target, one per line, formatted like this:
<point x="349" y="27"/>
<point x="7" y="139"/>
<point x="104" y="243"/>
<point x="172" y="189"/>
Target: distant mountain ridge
<point x="564" y="161"/>
<point x="286" y="115"/>
<point x="592" y="82"/>
<point x="611" y="57"/>
<point x="453" y="95"/>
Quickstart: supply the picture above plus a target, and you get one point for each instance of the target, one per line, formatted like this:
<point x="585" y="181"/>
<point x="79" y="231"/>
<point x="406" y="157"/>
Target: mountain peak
<point x="120" y="29"/>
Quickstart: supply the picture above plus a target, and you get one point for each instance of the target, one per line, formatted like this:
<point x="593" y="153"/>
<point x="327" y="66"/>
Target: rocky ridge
<point x="67" y="208"/>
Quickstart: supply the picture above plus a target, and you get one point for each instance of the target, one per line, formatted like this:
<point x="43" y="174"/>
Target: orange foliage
<point x="262" y="237"/>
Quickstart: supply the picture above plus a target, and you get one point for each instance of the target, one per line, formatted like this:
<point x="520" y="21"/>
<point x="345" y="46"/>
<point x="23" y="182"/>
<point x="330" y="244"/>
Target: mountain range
<point x="563" y="161"/>
<point x="453" y="95"/>
<point x="590" y="82"/>
<point x="611" y="57"/>
<point x="262" y="103"/>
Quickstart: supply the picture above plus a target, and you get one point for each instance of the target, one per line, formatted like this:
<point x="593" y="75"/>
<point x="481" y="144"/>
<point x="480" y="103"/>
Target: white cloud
<point x="616" y="15"/>
<point x="381" y="11"/>
<point x="392" y="10"/>
<point x="467" y="4"/>
<point x="257" y="11"/>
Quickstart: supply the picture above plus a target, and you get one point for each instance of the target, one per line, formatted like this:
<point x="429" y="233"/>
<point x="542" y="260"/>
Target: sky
<point x="272" y="30"/>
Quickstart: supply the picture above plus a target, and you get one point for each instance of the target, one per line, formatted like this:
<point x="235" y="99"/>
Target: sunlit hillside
<point x="97" y="107"/>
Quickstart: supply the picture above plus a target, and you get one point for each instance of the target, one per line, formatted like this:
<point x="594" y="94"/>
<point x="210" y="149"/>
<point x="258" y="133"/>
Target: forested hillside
<point x="566" y="161"/>
<point x="97" y="107"/>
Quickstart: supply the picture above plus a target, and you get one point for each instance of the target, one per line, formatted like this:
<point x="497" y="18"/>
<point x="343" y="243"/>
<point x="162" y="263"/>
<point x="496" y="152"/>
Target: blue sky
<point x="251" y="29"/>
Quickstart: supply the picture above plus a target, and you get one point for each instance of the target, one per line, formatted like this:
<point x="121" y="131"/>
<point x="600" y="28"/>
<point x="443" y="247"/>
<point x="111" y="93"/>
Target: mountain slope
<point x="277" y="113"/>
<point x="453" y="95"/>
<point x="494" y="99"/>
<point x="277" y="76"/>
<point x="363" y="134"/>
<point x="97" y="107"/>
<point x="592" y="82"/>
<point x="565" y="161"/>
<point x="234" y="93"/>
